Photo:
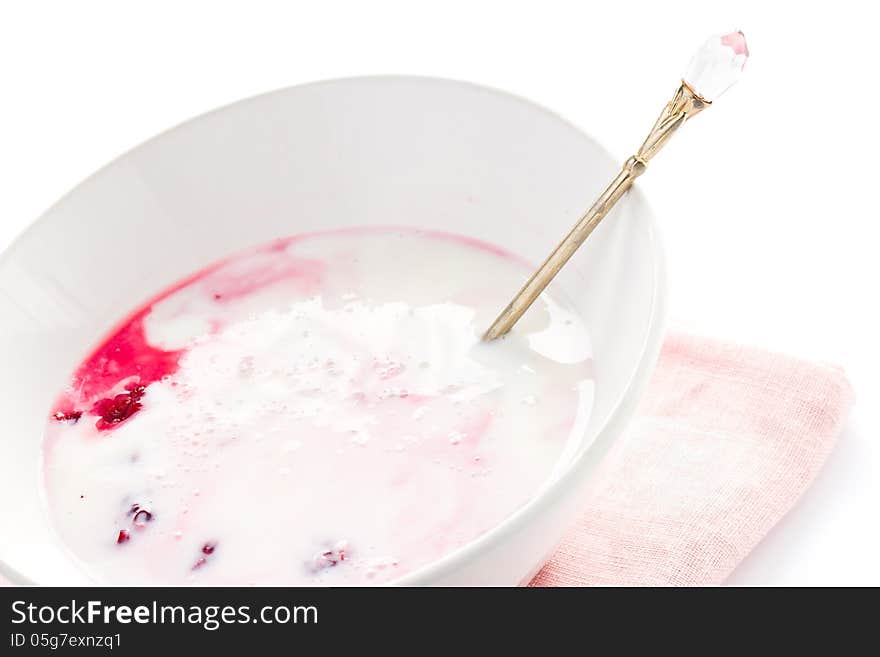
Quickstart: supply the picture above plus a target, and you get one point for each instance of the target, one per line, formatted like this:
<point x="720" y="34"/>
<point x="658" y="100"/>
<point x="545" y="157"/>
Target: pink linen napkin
<point x="726" y="440"/>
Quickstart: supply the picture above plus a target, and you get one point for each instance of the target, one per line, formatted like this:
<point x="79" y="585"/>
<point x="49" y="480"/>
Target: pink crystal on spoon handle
<point x="717" y="65"/>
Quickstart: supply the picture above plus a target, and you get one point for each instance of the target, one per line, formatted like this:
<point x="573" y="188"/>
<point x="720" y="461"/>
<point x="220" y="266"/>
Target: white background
<point x="767" y="201"/>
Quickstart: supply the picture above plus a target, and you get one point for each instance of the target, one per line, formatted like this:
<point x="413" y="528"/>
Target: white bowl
<point x="378" y="150"/>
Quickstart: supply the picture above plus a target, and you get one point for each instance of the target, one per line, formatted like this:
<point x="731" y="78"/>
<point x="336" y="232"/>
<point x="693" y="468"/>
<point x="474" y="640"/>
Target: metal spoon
<point x="714" y="68"/>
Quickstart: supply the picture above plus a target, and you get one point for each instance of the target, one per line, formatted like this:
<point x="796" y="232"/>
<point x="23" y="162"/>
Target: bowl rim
<point x="615" y="423"/>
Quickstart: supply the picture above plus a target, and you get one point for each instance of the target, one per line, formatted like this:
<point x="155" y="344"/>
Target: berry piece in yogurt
<point x="330" y="557"/>
<point x="140" y="515"/>
<point x="67" y="416"/>
<point x="119" y="408"/>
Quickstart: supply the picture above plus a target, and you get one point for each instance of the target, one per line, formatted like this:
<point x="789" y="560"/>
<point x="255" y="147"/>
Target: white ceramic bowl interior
<point x="386" y="150"/>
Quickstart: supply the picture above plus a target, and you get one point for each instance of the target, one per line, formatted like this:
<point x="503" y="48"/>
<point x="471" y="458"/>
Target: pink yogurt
<point x="320" y="410"/>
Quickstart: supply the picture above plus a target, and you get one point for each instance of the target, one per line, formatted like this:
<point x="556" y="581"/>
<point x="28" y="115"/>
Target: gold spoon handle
<point x="685" y="104"/>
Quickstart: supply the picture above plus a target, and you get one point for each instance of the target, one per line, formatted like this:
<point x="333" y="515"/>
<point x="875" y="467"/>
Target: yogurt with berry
<point x="320" y="410"/>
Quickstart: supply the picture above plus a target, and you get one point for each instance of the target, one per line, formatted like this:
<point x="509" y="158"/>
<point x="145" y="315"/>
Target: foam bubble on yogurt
<point x="320" y="410"/>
